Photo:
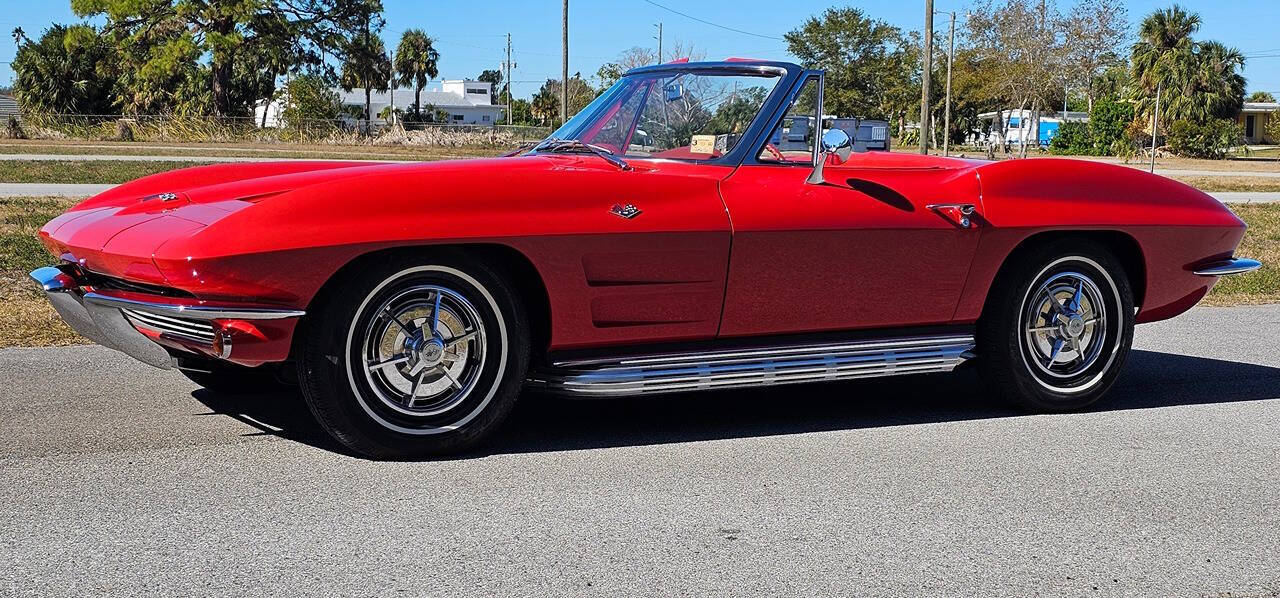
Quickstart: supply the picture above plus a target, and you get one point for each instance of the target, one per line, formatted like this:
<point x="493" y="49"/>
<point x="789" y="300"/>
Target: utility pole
<point x="659" y="26"/>
<point x="1155" y="125"/>
<point x="928" y="66"/>
<point x="564" y="65"/>
<point x="951" y="53"/>
<point x="508" y="65"/>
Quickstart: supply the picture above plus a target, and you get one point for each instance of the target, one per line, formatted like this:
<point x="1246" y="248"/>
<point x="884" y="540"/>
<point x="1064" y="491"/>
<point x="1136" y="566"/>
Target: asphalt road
<point x="59" y="189"/>
<point x="118" y="479"/>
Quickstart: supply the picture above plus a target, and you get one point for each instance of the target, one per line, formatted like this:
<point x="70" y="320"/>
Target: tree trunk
<point x="368" y="107"/>
<point x="417" y="102"/>
<point x="220" y="71"/>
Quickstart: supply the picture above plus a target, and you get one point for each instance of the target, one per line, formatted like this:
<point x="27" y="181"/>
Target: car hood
<point x="121" y="231"/>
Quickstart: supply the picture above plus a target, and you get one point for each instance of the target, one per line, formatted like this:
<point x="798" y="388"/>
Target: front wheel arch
<point x="1123" y="246"/>
<point x="515" y="266"/>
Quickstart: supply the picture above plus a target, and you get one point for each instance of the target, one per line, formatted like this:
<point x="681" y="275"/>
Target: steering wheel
<point x="773" y="151"/>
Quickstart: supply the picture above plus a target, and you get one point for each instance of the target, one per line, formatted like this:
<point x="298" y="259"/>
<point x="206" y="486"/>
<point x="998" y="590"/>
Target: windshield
<point x="673" y="115"/>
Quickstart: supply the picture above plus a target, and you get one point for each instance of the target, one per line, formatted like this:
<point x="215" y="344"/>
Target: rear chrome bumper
<point x="1235" y="265"/>
<point x="118" y="319"/>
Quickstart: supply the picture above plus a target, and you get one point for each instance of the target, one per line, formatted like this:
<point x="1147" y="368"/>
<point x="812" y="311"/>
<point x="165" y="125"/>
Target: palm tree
<point x="416" y="63"/>
<point x="366" y="66"/>
<point x="1164" y="53"/>
<point x="1162" y="57"/>
<point x="1215" y="88"/>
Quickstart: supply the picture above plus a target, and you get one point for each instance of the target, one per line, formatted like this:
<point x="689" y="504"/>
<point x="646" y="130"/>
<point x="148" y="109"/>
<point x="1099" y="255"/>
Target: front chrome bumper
<point x="112" y="319"/>
<point x="1235" y="265"/>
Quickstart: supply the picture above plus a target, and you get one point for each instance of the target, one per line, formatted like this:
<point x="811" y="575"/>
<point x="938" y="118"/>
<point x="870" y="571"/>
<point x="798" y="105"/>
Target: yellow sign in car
<point x="703" y="144"/>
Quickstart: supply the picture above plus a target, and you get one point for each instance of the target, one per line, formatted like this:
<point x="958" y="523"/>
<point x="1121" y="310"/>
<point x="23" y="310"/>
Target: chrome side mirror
<point x="834" y="141"/>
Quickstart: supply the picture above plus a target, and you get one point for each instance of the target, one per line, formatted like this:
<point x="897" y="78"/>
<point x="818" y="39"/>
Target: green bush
<point x="307" y="100"/>
<point x="1208" y="139"/>
<point x="1073" y="139"/>
<point x="1271" y="132"/>
<point x="1108" y="126"/>
<point x="1106" y="133"/>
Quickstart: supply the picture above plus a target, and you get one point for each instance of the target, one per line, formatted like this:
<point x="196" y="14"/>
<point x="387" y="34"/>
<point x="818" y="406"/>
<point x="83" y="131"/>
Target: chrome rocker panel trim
<point x="1235" y="265"/>
<point x="760" y="366"/>
<point x="111" y="321"/>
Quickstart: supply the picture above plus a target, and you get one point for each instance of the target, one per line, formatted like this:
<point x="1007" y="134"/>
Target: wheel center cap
<point x="431" y="352"/>
<point x="1075" y="326"/>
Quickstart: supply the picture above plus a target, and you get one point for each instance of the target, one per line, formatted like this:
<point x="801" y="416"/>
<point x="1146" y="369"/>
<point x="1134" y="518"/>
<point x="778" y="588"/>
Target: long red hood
<point x="189" y="228"/>
<point x="118" y="231"/>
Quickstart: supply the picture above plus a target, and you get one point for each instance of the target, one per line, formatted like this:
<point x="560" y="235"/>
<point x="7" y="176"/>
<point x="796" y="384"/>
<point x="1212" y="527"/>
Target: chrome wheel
<point x="1065" y="325"/>
<point x="423" y="350"/>
<point x="1057" y="326"/>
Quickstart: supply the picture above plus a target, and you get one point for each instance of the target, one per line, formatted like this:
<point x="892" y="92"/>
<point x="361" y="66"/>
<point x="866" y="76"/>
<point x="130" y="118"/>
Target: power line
<point x="706" y="22"/>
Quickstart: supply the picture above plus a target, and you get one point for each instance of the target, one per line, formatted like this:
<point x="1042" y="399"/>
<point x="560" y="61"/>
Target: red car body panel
<point x="863" y="251"/>
<point x="716" y="251"/>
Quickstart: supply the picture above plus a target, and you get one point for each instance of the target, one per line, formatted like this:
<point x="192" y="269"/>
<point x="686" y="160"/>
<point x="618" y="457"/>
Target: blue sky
<point x="471" y="35"/>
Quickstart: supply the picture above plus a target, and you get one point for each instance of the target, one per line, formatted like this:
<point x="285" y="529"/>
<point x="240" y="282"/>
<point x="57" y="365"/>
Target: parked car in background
<point x="796" y="132"/>
<point x="412" y="303"/>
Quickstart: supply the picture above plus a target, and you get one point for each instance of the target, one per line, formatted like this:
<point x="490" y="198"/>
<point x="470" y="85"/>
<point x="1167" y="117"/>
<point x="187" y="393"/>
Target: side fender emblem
<point x="627" y="211"/>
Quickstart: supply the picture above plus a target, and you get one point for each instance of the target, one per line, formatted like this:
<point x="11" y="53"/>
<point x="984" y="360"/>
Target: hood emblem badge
<point x="627" y="211"/>
<point x="161" y="197"/>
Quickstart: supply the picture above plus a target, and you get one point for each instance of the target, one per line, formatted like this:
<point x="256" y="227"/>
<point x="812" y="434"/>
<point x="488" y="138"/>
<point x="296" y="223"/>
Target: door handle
<point x="960" y="213"/>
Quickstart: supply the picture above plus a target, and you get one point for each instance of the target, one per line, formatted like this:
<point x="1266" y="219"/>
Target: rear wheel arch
<point x="514" y="265"/>
<point x="1123" y="246"/>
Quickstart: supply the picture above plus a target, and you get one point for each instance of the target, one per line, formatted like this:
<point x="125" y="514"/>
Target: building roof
<point x="404" y="97"/>
<point x="1260" y="107"/>
<point x="8" y="105"/>
<point x="1045" y="116"/>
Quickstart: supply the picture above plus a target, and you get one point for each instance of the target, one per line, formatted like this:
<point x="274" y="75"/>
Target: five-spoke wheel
<point x="425" y="351"/>
<point x="425" y="357"/>
<point x="1057" y="326"/>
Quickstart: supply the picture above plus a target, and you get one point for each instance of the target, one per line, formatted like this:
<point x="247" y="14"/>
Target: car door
<point x="863" y="250"/>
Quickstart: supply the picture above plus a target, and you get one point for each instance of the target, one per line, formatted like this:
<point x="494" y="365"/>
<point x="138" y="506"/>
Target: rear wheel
<point x="415" y="357"/>
<point x="1058" y="327"/>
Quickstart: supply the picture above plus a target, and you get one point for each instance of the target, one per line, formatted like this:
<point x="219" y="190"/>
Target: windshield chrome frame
<point x="778" y="97"/>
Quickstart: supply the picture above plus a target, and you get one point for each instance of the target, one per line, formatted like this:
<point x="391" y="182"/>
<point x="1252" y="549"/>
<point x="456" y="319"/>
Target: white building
<point x="468" y="102"/>
<point x="8" y="107"/>
<point x="1021" y="125"/>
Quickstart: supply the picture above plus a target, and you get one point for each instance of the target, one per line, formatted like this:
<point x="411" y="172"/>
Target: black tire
<point x="375" y="411"/>
<point x="1016" y="352"/>
<point x="229" y="378"/>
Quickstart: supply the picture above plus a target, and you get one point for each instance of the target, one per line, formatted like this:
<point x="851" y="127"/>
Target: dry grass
<point x="26" y="318"/>
<point x="72" y="171"/>
<point x="1261" y="161"/>
<point x="265" y="151"/>
<point x="1210" y="184"/>
<point x="1261" y="242"/>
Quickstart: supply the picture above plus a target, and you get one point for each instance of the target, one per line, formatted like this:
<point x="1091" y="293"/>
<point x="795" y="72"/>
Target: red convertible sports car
<point x="673" y="236"/>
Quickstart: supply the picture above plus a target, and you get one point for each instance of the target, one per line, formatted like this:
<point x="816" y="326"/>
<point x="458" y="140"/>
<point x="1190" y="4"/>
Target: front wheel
<point x="415" y="357"/>
<point x="1058" y="327"/>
